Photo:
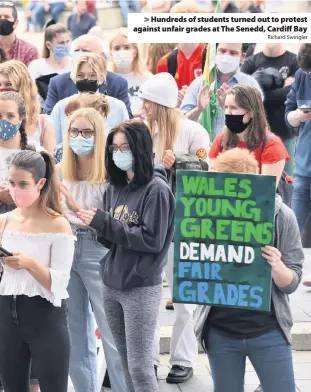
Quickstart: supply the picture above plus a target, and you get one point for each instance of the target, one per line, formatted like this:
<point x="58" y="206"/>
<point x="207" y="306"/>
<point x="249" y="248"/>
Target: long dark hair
<point x="18" y="99"/>
<point x="250" y="99"/>
<point x="140" y="142"/>
<point x="41" y="165"/>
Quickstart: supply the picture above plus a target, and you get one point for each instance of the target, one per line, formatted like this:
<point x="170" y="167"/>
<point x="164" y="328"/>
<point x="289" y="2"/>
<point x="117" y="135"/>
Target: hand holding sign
<point x="272" y="255"/>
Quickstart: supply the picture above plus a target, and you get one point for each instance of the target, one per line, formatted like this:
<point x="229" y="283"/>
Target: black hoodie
<point x="137" y="225"/>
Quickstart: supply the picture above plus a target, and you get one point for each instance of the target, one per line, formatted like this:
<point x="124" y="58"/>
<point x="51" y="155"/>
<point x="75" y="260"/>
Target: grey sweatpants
<point x="132" y="317"/>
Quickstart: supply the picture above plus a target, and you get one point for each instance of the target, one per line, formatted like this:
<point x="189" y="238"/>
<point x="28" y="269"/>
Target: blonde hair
<point x="70" y="161"/>
<point x="96" y="101"/>
<point x="236" y="160"/>
<point x="155" y="53"/>
<point x="186" y="7"/>
<point x="21" y="81"/>
<point x="138" y="66"/>
<point x="95" y="61"/>
<point x="166" y="122"/>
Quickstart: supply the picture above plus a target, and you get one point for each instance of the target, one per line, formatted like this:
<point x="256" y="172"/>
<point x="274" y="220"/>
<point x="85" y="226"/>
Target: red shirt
<point x="187" y="69"/>
<point x="91" y="6"/>
<point x="273" y="152"/>
<point x="23" y="51"/>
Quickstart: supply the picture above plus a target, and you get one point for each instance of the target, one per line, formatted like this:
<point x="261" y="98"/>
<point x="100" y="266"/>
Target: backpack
<point x="185" y="162"/>
<point x="172" y="61"/>
<point x="285" y="188"/>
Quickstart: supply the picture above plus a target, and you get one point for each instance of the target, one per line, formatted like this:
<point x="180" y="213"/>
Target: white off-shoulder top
<point x="53" y="250"/>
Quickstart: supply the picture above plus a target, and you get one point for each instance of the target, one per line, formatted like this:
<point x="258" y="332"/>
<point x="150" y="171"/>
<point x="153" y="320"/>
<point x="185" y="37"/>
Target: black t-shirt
<point x="274" y="100"/>
<point x="240" y="323"/>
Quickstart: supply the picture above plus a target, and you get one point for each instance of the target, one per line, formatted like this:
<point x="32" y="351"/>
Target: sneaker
<point x="179" y="374"/>
<point x="169" y="305"/>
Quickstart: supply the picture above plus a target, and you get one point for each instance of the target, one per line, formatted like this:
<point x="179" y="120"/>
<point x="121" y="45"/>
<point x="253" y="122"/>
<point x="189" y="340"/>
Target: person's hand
<point x="5" y="196"/>
<point x="169" y="159"/>
<point x="70" y="203"/>
<point x="304" y="117"/>
<point x="18" y="261"/>
<point x="86" y="215"/>
<point x="204" y="98"/>
<point x="289" y="81"/>
<point x="181" y="95"/>
<point x="273" y="256"/>
<point x="46" y="6"/>
<point x="221" y="94"/>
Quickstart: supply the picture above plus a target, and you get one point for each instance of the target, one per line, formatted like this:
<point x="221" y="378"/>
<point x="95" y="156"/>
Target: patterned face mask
<point x="8" y="130"/>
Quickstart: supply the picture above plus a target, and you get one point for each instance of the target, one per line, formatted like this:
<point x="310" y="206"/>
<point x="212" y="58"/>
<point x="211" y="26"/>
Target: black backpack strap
<point x="172" y="62"/>
<point x="263" y="146"/>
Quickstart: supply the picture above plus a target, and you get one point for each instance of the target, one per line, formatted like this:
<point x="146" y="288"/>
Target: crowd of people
<point x="90" y="142"/>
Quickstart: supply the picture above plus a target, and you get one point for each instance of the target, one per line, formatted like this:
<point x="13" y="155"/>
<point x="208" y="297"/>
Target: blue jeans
<point x="85" y="287"/>
<point x="301" y="199"/>
<point x="126" y="6"/>
<point x="270" y="354"/>
<point x="290" y="145"/>
<point x="38" y="13"/>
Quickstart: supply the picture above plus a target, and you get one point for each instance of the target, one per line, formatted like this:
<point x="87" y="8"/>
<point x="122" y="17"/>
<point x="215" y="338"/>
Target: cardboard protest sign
<point x="221" y="222"/>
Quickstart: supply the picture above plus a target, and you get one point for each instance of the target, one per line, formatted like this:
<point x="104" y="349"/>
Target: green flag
<point x="207" y="117"/>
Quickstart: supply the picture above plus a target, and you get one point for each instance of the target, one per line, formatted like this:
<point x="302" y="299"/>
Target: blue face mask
<point x="123" y="160"/>
<point x="8" y="130"/>
<point x="61" y="51"/>
<point x="81" y="146"/>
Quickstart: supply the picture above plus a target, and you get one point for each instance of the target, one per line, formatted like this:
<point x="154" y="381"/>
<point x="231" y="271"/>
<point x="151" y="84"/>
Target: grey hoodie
<point x="137" y="226"/>
<point x="288" y="242"/>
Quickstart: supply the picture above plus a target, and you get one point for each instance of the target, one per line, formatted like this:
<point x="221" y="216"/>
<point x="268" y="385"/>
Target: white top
<point x="135" y="81"/>
<point x="40" y="67"/>
<point x="36" y="138"/>
<point x="56" y="253"/>
<point x="5" y="156"/>
<point x="86" y="195"/>
<point x="192" y="139"/>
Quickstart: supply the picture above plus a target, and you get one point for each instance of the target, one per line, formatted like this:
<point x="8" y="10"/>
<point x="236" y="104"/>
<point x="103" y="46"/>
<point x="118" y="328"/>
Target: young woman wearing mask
<point x="34" y="284"/>
<point x="82" y="171"/>
<point x="246" y="127"/>
<point x="174" y="135"/>
<point x="126" y="62"/>
<point x="229" y="335"/>
<point x="14" y="76"/>
<point x="55" y="57"/>
<point x="136" y="224"/>
<point x="13" y="139"/>
<point x="89" y="74"/>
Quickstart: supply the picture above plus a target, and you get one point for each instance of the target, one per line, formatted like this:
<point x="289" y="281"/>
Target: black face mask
<point x="6" y="27"/>
<point x="235" y="124"/>
<point x="87" y="86"/>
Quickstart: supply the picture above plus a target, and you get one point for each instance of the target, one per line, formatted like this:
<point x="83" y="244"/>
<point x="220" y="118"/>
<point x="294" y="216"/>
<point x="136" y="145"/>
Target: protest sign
<point x="221" y="222"/>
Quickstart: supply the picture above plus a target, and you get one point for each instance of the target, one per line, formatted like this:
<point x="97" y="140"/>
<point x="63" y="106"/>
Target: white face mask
<point x="227" y="64"/>
<point x="123" y="58"/>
